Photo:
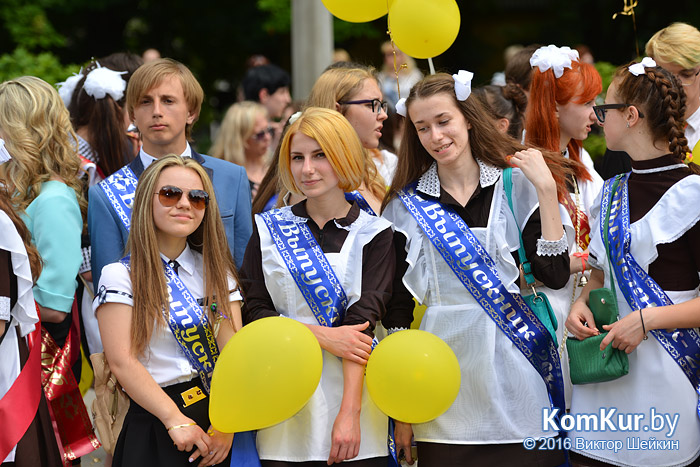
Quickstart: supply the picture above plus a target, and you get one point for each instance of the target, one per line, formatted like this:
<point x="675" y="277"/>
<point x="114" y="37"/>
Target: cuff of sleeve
<point x="54" y="301"/>
<point x="5" y="308"/>
<point x="391" y="331"/>
<point x="552" y="248"/>
<point x="593" y="262"/>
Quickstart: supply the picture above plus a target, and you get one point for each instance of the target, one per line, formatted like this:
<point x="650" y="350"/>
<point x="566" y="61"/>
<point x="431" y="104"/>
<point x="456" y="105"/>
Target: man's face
<point x="276" y="102"/>
<point x="161" y="115"/>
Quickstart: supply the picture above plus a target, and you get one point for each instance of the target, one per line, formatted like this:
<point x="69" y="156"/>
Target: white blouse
<point x="164" y="359"/>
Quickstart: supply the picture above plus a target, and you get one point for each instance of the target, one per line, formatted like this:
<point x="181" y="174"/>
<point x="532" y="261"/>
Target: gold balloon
<point x="413" y="376"/>
<point x="266" y="373"/>
<point x="424" y="28"/>
<point x="357" y="11"/>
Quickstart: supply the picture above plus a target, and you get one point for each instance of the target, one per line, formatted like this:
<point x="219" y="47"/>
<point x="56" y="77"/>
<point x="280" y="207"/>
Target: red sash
<point x="580" y="221"/>
<point x="19" y="405"/>
<point x="71" y="422"/>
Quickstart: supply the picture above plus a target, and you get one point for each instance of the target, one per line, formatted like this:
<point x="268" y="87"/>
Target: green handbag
<point x="537" y="301"/>
<point x="587" y="363"/>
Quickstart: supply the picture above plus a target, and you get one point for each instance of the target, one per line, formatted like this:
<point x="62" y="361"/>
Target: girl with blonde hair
<point x="321" y="159"/>
<point x="176" y="243"/>
<point x="244" y="139"/>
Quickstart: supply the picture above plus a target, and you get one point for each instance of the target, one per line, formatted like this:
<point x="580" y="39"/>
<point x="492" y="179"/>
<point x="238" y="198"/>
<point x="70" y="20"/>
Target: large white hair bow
<point x="4" y="155"/>
<point x="102" y="81"/>
<point x="401" y="107"/>
<point x="638" y="68"/>
<point x="556" y="58"/>
<point x="66" y="88"/>
<point x="463" y="84"/>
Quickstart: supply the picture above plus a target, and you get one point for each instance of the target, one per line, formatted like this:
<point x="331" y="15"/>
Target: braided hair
<point x="662" y="99"/>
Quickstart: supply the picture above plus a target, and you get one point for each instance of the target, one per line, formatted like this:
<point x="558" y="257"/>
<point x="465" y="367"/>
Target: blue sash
<point x="477" y="271"/>
<point x="357" y="197"/>
<point x="640" y="290"/>
<point x="312" y="273"/>
<point x="120" y="188"/>
<point x="189" y="325"/>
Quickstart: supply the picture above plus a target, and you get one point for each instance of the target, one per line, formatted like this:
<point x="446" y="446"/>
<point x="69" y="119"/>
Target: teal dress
<point x="56" y="225"/>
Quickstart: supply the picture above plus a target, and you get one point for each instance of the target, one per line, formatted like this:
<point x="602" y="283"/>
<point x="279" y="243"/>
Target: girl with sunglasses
<point x="559" y="117"/>
<point x="244" y="139"/>
<point x="336" y="242"/>
<point x="448" y="202"/>
<point x="653" y="238"/>
<point x="176" y="243"/>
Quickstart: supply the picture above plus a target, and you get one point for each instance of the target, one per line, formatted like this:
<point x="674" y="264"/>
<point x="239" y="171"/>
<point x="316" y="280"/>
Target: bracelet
<point x="175" y="427"/>
<point x="584" y="257"/>
<point x="644" y="329"/>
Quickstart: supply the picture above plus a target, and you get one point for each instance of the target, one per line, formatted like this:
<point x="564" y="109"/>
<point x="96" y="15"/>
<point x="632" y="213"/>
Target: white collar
<point x="429" y="182"/>
<point x="147" y="159"/>
<point x="185" y="260"/>
<point x="694" y="121"/>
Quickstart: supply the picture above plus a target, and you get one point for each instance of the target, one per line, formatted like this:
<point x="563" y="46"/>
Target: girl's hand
<point x="350" y="342"/>
<point x="188" y="437"/>
<point x="625" y="334"/>
<point x="534" y="167"/>
<point x="345" y="437"/>
<point x="403" y="433"/>
<point x="580" y="322"/>
<point x="219" y="447"/>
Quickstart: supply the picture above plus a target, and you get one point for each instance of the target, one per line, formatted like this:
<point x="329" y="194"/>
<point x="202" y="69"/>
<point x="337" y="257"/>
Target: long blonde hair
<point x="147" y="275"/>
<point x="40" y="138"/>
<point x="338" y="85"/>
<point x="235" y="130"/>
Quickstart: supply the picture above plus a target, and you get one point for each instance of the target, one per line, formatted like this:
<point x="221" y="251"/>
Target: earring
<point x="628" y="124"/>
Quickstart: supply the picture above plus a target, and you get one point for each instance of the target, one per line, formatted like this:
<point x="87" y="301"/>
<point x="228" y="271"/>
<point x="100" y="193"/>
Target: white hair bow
<point x="66" y="88"/>
<point x="294" y="117"/>
<point x="102" y="81"/>
<point x="556" y="58"/>
<point x="638" y="68"/>
<point x="4" y="155"/>
<point x="401" y="107"/>
<point x="463" y="84"/>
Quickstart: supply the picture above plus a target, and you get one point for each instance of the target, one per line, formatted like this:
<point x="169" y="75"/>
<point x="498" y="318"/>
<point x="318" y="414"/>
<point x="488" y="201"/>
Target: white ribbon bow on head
<point x="102" y="81"/>
<point x="66" y="88"/>
<point x="638" y="68"/>
<point x="401" y="107"/>
<point x="556" y="58"/>
<point x="463" y="84"/>
<point x="294" y="117"/>
<point x="4" y="155"/>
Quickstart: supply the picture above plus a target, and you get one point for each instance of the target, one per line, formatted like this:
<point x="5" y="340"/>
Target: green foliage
<point x="28" y="25"/>
<point x="44" y="65"/>
<point x="606" y="71"/>
<point x="595" y="145"/>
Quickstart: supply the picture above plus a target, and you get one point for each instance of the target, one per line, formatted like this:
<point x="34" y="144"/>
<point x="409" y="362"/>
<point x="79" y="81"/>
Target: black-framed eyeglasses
<point x="170" y="195"/>
<point x="260" y="135"/>
<point x="377" y="105"/>
<point x="600" y="110"/>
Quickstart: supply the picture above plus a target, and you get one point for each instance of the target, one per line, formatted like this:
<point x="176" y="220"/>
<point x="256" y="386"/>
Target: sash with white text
<point x="189" y="325"/>
<point x="357" y="197"/>
<point x="312" y="273"/>
<point x="477" y="271"/>
<point x="640" y="290"/>
<point x="120" y="188"/>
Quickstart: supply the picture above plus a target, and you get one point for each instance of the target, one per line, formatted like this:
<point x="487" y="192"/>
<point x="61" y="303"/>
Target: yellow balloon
<point x="266" y="373"/>
<point x="357" y="11"/>
<point x="424" y="28"/>
<point x="413" y="376"/>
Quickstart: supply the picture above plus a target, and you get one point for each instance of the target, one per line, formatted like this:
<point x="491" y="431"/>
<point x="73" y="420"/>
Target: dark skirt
<point x="145" y="442"/>
<point x="466" y="455"/>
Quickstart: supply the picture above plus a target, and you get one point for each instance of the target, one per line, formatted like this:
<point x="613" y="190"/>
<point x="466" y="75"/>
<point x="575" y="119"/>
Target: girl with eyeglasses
<point x="559" y="117"/>
<point x="676" y="48"/>
<point x="244" y="139"/>
<point x="176" y="243"/>
<point x="653" y="238"/>
<point x="335" y="242"/>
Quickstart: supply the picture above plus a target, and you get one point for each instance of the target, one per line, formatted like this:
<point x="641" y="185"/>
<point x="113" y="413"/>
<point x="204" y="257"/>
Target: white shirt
<point x="692" y="131"/>
<point x="164" y="359"/>
<point x="147" y="159"/>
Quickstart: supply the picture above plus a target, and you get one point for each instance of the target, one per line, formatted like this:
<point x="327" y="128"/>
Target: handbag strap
<point x="605" y="231"/>
<point x="527" y="268"/>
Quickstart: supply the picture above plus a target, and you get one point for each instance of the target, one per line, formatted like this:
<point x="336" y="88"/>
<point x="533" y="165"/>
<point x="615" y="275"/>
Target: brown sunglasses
<point x="169" y="196"/>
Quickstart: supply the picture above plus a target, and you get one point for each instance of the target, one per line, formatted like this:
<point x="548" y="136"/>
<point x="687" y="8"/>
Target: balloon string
<point x="628" y="10"/>
<point x="432" y="67"/>
<point x="397" y="67"/>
